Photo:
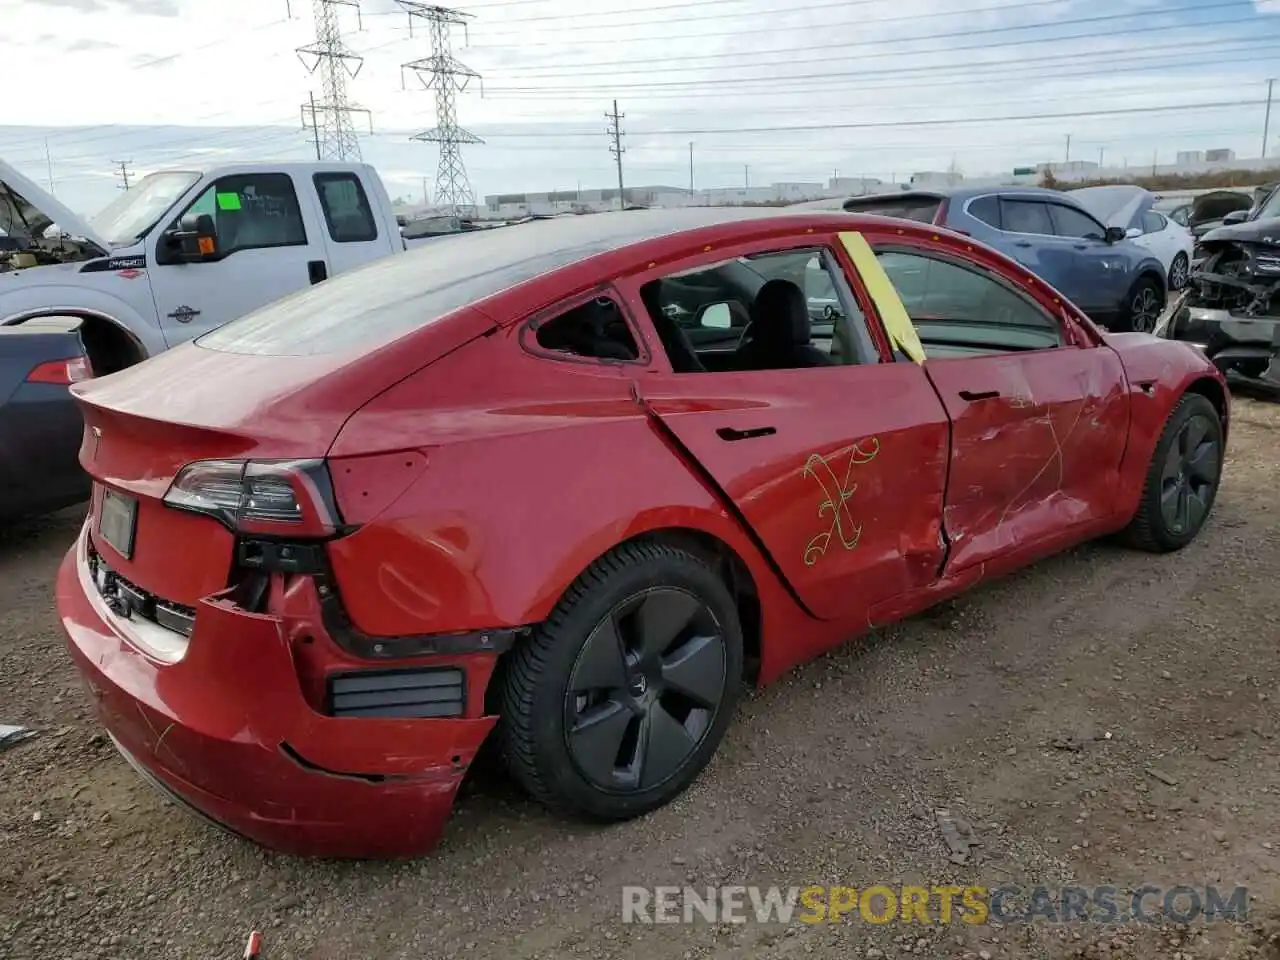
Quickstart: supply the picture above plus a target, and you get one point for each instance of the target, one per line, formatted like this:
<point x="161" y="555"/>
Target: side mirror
<point x="1235" y="216"/>
<point x="1133" y="232"/>
<point x="193" y="240"/>
<point x="717" y="316"/>
<point x="1115" y="234"/>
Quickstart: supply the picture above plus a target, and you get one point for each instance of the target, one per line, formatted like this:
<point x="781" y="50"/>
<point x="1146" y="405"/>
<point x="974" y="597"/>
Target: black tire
<point x="1143" y="306"/>
<point x="1185" y="469"/>
<point x="542" y="734"/>
<point x="1179" y="271"/>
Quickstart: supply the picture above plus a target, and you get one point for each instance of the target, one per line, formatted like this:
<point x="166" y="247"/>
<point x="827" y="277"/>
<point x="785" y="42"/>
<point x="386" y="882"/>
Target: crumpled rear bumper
<point x="227" y="731"/>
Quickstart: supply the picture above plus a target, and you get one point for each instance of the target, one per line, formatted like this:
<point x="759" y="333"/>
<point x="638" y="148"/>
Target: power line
<point x="771" y="12"/>
<point x="447" y="76"/>
<point x="616" y="148"/>
<point x="817" y="48"/>
<point x="330" y="119"/>
<point x="904" y="78"/>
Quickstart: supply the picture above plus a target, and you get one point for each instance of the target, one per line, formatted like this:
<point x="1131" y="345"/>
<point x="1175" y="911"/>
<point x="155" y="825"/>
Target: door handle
<point x="971" y="397"/>
<point x="1026" y="244"/>
<point x="317" y="270"/>
<point x="730" y="434"/>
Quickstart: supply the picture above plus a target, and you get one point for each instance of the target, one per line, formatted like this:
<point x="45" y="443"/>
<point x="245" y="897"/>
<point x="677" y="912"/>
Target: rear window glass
<point x="922" y="209"/>
<point x="389" y="298"/>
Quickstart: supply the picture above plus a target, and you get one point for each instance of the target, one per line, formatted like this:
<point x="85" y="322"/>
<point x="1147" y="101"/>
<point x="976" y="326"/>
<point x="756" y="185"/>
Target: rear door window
<point x="1025" y="216"/>
<point x="986" y="209"/>
<point x="346" y="208"/>
<point x="1152" y="222"/>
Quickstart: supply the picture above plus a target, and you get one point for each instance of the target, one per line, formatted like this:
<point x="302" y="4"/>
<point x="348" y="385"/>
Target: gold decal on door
<point x="836" y="494"/>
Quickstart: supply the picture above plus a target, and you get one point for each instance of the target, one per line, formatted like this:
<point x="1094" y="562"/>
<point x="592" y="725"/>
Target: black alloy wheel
<point x="1145" y="307"/>
<point x="1183" y="478"/>
<point x="618" y="701"/>
<point x="645" y="690"/>
<point x="1190" y="475"/>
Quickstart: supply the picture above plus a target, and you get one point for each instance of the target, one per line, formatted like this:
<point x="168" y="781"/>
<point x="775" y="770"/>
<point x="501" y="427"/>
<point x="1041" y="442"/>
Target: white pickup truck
<point x="185" y="251"/>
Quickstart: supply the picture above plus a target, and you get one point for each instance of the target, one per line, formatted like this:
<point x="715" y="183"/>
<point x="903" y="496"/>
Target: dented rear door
<point x="838" y="470"/>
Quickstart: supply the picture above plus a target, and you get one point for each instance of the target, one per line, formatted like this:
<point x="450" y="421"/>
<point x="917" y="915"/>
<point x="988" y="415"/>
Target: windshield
<point x="1271" y="208"/>
<point x="136" y="211"/>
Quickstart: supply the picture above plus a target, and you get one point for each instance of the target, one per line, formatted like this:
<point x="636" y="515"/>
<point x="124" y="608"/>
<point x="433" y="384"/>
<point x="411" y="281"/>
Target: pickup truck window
<point x="346" y="208"/>
<point x="136" y="211"/>
<point x="251" y="211"/>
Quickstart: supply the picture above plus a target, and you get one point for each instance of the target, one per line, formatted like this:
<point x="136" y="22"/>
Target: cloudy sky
<point x="766" y="90"/>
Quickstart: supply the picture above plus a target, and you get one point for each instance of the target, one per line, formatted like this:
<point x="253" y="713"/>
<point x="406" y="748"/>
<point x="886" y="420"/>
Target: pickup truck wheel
<point x="619" y="700"/>
<point x="1182" y="480"/>
<point x="1143" y="308"/>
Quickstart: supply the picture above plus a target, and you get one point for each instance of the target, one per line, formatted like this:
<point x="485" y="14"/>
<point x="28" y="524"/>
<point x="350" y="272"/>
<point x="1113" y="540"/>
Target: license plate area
<point x="118" y="521"/>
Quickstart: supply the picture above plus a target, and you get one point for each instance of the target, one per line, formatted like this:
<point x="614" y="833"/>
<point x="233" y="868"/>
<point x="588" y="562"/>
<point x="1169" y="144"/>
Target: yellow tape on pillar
<point x="902" y="332"/>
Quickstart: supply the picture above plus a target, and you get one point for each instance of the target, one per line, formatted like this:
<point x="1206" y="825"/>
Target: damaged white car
<point x="1131" y="209"/>
<point x="185" y="251"/>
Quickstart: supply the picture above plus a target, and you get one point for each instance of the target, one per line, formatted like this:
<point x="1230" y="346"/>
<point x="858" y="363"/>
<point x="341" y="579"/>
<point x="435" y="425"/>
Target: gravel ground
<point x="831" y="776"/>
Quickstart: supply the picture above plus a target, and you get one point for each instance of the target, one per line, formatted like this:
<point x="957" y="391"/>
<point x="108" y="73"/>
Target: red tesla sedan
<point x="577" y="480"/>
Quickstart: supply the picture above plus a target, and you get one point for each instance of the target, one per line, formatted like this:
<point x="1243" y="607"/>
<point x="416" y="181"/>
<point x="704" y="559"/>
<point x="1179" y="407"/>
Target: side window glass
<point x="1025" y="216"/>
<point x="776" y="311"/>
<point x="960" y="311"/>
<point x="1070" y="222"/>
<point x="595" y="330"/>
<point x="346" y="208"/>
<point x="986" y="209"/>
<point x="1152" y="222"/>
<point x="251" y="211"/>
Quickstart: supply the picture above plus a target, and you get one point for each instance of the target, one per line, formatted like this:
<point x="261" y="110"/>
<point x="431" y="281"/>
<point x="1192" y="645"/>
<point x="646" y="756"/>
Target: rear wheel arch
<point x="729" y="566"/>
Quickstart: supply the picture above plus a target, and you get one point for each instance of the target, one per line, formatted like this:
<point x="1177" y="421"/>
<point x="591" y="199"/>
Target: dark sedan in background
<point x="40" y="424"/>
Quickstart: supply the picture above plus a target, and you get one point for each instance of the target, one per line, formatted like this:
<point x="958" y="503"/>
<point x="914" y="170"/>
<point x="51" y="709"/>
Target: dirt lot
<point x="832" y="776"/>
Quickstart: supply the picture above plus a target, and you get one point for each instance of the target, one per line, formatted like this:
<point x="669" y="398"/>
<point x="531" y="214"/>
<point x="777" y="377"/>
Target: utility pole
<point x="1155" y="157"/>
<point x="315" y="127"/>
<point x="746" y="176"/>
<point x="690" y="168"/>
<point x="1067" y="158"/>
<point x="1101" y="151"/>
<point x="48" y="161"/>
<point x="124" y="172"/>
<point x="616" y="133"/>
<point x="448" y="76"/>
<point x="1266" y="122"/>
<point x="330" y="119"/>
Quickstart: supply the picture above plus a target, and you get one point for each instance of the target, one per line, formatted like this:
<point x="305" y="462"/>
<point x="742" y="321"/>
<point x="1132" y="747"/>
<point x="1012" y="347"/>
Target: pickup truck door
<point x="354" y="232"/>
<point x="269" y="245"/>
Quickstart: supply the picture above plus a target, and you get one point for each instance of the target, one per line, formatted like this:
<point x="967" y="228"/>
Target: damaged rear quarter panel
<point x="1159" y="372"/>
<point x="534" y="468"/>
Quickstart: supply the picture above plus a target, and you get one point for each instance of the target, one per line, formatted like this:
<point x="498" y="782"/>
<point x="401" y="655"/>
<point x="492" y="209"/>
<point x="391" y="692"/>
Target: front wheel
<point x="1182" y="479"/>
<point x="1179" y="270"/>
<point x="1145" y="304"/>
<point x="616" y="704"/>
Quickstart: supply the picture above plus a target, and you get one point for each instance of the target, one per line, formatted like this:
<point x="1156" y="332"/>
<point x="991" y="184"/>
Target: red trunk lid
<point x="144" y="424"/>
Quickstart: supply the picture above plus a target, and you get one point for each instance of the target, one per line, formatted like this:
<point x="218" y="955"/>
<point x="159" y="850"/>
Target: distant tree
<point x="1047" y="179"/>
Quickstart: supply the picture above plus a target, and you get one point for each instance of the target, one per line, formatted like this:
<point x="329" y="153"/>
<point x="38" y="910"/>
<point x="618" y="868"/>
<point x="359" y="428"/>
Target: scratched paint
<point x="837" y="492"/>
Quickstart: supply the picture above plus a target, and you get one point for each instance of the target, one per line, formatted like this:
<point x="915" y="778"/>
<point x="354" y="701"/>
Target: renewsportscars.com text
<point x="943" y="903"/>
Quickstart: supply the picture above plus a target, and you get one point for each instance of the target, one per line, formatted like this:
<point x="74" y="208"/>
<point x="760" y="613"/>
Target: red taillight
<point x="284" y="497"/>
<point x="64" y="372"/>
